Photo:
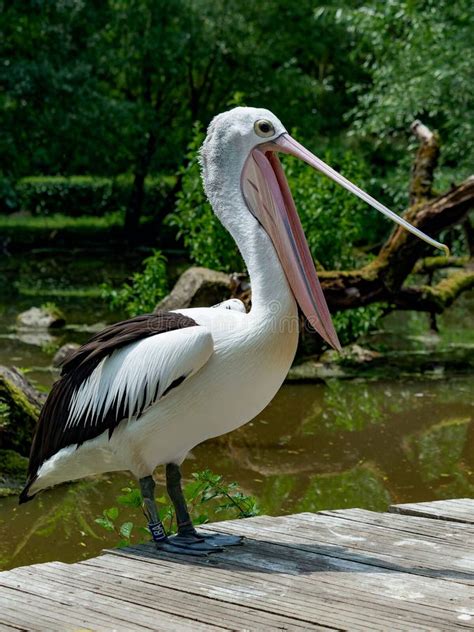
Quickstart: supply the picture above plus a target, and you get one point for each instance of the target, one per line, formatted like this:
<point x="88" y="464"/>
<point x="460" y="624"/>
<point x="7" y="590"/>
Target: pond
<point x="326" y="445"/>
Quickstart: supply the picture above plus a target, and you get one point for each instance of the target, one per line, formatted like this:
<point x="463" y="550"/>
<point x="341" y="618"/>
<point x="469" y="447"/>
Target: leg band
<point x="157" y="531"/>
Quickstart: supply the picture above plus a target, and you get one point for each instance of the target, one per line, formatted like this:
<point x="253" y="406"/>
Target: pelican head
<point x="244" y="142"/>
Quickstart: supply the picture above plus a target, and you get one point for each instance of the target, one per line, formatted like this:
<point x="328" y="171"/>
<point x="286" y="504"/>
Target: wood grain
<point x="458" y="510"/>
<point x="411" y="569"/>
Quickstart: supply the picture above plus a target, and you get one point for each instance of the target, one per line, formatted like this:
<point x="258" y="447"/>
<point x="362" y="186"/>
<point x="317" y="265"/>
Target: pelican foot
<point x="169" y="547"/>
<point x="221" y="540"/>
<point x="189" y="545"/>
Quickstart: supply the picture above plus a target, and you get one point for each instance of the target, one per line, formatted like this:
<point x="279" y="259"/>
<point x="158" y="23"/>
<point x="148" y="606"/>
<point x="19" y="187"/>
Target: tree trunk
<point x="425" y="163"/>
<point x="135" y="205"/>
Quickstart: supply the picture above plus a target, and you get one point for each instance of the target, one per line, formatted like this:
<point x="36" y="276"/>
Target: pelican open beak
<point x="269" y="198"/>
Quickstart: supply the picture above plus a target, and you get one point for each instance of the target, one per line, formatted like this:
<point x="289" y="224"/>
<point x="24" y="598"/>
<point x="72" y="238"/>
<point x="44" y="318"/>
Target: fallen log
<point x="382" y="279"/>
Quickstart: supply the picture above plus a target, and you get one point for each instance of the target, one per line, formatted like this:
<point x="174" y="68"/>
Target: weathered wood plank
<point x="336" y="570"/>
<point x="30" y="612"/>
<point x="456" y="510"/>
<point x="455" y="533"/>
<point x="312" y="585"/>
<point x="242" y="589"/>
<point x="363" y="543"/>
<point x="105" y="613"/>
<point x="137" y="591"/>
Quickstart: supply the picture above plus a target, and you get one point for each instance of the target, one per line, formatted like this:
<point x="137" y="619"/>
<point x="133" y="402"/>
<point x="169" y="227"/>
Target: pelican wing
<point x="117" y="376"/>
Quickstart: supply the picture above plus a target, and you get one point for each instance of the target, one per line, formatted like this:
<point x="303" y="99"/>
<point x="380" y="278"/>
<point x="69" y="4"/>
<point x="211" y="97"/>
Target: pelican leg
<point x="155" y="526"/>
<point x="187" y="534"/>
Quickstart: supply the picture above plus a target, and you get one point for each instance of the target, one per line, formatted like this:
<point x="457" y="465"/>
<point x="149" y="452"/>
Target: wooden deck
<point x="410" y="569"/>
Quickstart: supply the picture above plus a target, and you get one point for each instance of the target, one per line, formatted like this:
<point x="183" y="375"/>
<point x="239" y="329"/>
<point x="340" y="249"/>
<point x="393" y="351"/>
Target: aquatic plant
<point x="206" y="495"/>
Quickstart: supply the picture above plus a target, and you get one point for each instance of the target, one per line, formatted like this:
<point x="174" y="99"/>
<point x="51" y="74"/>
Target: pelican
<point x="146" y="391"/>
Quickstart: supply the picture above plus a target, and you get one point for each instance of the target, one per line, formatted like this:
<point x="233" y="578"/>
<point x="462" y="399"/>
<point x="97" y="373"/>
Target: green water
<point x="342" y="443"/>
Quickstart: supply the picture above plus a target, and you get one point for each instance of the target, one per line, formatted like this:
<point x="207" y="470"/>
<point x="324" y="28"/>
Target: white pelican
<point x="145" y="391"/>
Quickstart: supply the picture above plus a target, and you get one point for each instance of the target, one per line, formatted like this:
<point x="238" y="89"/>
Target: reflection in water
<point x="315" y="447"/>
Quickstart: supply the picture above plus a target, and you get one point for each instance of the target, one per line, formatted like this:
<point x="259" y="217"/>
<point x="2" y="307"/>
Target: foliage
<point x="145" y="290"/>
<point x="111" y="88"/>
<point x="206" y="240"/>
<point x="76" y="195"/>
<point x="333" y="219"/>
<point x="115" y="88"/>
<point x="418" y="56"/>
<point x="91" y="87"/>
<point x="84" y="195"/>
<point x="351" y="324"/>
<point x="206" y="494"/>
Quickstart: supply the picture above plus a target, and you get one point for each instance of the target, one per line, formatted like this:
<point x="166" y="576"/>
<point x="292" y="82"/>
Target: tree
<point x="418" y="56"/>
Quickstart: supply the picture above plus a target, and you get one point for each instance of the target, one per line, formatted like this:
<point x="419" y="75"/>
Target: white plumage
<point x="140" y="373"/>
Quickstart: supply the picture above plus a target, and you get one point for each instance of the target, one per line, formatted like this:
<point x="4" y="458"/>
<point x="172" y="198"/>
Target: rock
<point x="351" y="355"/>
<point x="36" y="337"/>
<point x="63" y="352"/>
<point x="46" y="317"/>
<point x="20" y="405"/>
<point x="197" y="287"/>
<point x="13" y="468"/>
<point x="314" y="371"/>
<point x="349" y="363"/>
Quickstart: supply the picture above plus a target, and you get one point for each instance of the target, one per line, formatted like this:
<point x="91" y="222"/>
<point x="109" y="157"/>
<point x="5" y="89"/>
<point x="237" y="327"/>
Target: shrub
<point x="333" y="219"/>
<point x="351" y="324"/>
<point x="76" y="195"/>
<point x="207" y="241"/>
<point x="85" y="195"/>
<point x="145" y="290"/>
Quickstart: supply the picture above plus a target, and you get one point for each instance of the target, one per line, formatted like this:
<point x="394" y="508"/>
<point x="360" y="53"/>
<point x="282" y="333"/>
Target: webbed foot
<point x="221" y="540"/>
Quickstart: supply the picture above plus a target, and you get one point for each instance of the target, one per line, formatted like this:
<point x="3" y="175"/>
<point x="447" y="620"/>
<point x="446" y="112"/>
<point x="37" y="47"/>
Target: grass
<point x="59" y="221"/>
<point x="83" y="292"/>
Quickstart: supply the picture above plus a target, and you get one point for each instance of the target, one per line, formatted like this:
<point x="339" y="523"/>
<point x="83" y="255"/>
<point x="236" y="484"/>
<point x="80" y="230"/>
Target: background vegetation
<point x="104" y="105"/>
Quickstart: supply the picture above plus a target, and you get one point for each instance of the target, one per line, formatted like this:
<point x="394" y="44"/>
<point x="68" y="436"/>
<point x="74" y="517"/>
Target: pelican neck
<point x="270" y="289"/>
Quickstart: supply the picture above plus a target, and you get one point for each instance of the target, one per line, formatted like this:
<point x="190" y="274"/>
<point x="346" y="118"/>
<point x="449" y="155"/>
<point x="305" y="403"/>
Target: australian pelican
<point x="145" y="391"/>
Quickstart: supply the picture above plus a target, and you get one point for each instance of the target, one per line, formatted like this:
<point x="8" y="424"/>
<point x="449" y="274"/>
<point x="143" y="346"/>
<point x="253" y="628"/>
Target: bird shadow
<point x="269" y="556"/>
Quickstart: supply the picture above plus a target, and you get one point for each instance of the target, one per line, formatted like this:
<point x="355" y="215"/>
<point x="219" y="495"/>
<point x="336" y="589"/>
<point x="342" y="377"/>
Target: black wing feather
<point x="51" y="434"/>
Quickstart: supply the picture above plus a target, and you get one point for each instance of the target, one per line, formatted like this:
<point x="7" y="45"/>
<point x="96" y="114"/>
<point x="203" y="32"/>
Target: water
<point x="343" y="443"/>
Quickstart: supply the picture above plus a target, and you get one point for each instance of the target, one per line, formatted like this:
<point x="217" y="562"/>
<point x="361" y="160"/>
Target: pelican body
<point x="144" y="392"/>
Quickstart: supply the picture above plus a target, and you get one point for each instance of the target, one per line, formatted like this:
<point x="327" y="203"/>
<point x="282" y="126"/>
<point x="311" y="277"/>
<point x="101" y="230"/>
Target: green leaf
<point x="105" y="523"/>
<point x="126" y="529"/>
<point x="132" y="498"/>
<point x="111" y="513"/>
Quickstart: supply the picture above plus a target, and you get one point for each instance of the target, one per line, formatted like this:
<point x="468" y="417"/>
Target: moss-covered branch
<point x="382" y="279"/>
<point x="437" y="298"/>
<point x="431" y="264"/>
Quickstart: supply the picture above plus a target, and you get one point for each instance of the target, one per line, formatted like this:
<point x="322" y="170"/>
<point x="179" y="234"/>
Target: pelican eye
<point x="264" y="128"/>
